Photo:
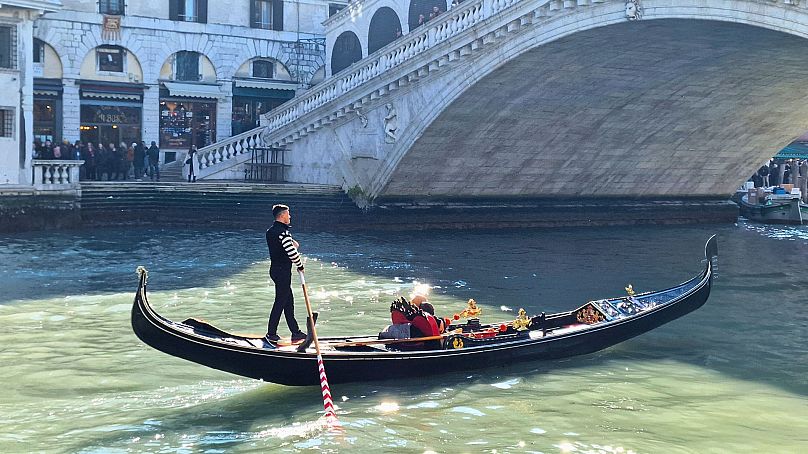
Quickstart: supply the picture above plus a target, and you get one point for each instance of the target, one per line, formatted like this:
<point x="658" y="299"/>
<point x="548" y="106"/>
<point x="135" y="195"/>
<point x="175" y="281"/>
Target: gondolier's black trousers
<point x="284" y="302"/>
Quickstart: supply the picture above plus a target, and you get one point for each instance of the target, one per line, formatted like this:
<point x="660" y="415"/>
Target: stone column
<point x="151" y="114"/>
<point x="26" y="43"/>
<point x="224" y="112"/>
<point x="71" y="111"/>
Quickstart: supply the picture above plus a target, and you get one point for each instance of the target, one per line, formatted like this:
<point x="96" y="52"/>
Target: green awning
<point x="797" y="150"/>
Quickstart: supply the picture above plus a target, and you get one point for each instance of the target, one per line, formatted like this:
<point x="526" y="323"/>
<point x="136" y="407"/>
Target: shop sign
<point x="109" y="115"/>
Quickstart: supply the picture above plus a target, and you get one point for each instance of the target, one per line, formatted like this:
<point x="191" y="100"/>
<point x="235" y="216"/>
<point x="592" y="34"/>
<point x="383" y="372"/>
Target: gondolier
<point x="283" y="254"/>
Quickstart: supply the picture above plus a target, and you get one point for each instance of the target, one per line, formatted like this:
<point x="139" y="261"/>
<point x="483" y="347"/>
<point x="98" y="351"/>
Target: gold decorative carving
<point x="589" y="315"/>
<point x="522" y="321"/>
<point x="471" y="310"/>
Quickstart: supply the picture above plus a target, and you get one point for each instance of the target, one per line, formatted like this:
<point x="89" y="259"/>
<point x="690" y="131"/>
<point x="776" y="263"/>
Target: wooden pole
<point x="328" y="402"/>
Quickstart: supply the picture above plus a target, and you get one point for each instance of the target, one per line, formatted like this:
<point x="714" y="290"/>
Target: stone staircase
<point x="172" y="172"/>
<point x="212" y="203"/>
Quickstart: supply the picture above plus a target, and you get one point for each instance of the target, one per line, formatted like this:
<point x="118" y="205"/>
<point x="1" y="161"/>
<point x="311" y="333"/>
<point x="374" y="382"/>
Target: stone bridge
<point x="546" y="98"/>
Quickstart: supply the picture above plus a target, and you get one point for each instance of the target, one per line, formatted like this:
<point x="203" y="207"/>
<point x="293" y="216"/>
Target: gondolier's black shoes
<point x="272" y="338"/>
<point x="298" y="336"/>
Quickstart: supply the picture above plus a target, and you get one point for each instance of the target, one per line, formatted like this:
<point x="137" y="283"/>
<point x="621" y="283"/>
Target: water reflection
<point x="730" y="377"/>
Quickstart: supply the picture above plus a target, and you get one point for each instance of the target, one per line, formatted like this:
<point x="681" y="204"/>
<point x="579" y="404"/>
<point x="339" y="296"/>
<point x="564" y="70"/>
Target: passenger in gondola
<point x="429" y="310"/>
<point x="411" y="321"/>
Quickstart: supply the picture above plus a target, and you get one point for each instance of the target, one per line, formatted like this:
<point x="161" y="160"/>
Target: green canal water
<point x="730" y="377"/>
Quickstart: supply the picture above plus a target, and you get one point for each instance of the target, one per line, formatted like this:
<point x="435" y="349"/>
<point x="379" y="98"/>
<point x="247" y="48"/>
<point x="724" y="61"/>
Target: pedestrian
<point x="774" y="173"/>
<point x="115" y="162"/>
<point x="130" y="161"/>
<point x="139" y="158"/>
<point x="764" y="175"/>
<point x="90" y="161"/>
<point x="283" y="253"/>
<point x="153" y="155"/>
<point x="190" y="160"/>
<point x="47" y="150"/>
<point x="804" y="180"/>
<point x="102" y="162"/>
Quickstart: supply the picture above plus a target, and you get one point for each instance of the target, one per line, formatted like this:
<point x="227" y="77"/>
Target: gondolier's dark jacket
<point x="282" y="251"/>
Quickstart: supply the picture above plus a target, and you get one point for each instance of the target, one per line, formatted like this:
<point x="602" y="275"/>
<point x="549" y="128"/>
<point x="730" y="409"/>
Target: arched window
<point x="110" y="58"/>
<point x="421" y="11"/>
<point x="385" y="27"/>
<point x="347" y="51"/>
<point x="186" y="66"/>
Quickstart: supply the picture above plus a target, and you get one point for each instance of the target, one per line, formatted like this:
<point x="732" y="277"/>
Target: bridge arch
<point x="486" y="40"/>
<point x="347" y="50"/>
<point x="560" y="123"/>
<point x="385" y="27"/>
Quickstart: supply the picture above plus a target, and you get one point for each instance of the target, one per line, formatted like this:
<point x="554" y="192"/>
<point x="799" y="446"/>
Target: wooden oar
<point x="328" y="402"/>
<point x="387" y="341"/>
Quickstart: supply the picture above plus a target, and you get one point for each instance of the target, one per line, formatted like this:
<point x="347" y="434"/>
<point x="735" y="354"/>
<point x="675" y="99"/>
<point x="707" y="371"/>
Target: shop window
<point x="187" y="66"/>
<point x="188" y="10"/>
<point x="266" y="14"/>
<point x="186" y="123"/>
<point x="113" y="7"/>
<point x="8" y="47"/>
<point x="6" y="123"/>
<point x="44" y="120"/>
<point x="110" y="59"/>
<point x="263" y="69"/>
<point x="334" y="8"/>
<point x="39" y="51"/>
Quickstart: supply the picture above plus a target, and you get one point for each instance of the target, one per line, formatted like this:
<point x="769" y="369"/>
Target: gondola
<point x="469" y="345"/>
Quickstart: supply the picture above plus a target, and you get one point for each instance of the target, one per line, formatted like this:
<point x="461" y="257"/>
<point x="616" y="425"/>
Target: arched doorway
<point x="385" y="27"/>
<point x="347" y="51"/>
<point x="48" y="85"/>
<point x="424" y="8"/>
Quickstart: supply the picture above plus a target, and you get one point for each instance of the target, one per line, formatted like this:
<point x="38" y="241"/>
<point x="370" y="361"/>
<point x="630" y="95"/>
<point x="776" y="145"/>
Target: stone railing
<point x="56" y="175"/>
<point x="228" y="148"/>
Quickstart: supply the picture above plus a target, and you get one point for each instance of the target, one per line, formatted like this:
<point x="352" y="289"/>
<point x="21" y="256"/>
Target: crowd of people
<point x="790" y="171"/>
<point x="775" y="173"/>
<point x="105" y="163"/>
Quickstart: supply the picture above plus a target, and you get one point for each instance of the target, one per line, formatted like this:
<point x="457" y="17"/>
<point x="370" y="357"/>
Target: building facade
<point x="176" y="72"/>
<point x="16" y="79"/>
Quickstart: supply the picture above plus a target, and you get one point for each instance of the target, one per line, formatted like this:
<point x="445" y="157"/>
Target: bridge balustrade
<point x="56" y="174"/>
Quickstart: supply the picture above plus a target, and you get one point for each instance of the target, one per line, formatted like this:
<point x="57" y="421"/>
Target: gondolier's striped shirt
<point x="291" y="250"/>
<point x="282" y="250"/>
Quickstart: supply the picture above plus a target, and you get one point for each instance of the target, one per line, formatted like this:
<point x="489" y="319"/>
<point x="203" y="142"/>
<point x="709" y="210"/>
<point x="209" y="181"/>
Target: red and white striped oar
<point x="328" y="402"/>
